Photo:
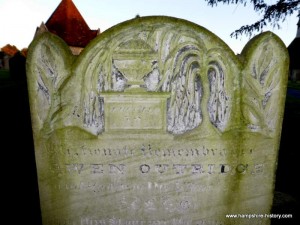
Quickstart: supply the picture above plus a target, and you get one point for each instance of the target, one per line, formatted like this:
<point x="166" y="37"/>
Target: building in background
<point x="67" y="23"/>
<point x="6" y="53"/>
<point x="294" y="52"/>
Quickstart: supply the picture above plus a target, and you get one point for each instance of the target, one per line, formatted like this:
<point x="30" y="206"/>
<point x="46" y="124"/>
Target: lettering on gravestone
<point x="157" y="121"/>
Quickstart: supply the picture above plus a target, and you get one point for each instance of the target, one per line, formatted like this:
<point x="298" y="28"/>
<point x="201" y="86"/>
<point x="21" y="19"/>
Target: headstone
<point x="17" y="67"/>
<point x="156" y="122"/>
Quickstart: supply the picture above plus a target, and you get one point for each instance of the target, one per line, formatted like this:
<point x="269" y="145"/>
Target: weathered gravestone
<point x="156" y="122"/>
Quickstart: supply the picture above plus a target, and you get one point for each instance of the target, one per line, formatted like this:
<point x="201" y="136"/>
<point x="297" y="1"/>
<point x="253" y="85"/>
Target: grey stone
<point x="157" y="121"/>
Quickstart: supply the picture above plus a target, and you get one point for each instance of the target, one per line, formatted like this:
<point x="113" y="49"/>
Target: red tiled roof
<point x="9" y="49"/>
<point x="67" y="22"/>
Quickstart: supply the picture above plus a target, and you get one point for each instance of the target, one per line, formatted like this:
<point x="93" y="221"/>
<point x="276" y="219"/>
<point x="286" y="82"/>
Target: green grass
<point x="292" y="100"/>
<point x="5" y="80"/>
<point x="4" y="74"/>
<point x="294" y="84"/>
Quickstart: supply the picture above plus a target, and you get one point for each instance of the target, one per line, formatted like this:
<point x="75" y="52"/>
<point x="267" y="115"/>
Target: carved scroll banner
<point x="156" y="122"/>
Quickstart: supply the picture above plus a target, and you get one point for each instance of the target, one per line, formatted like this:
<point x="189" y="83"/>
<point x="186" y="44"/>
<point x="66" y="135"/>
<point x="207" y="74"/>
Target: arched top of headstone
<point x="170" y="26"/>
<point x="202" y="80"/>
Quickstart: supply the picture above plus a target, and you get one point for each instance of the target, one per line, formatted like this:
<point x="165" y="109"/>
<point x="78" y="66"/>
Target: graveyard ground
<point x="18" y="164"/>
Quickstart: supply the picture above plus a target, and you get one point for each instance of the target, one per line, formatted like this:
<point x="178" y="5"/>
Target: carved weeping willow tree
<point x="180" y="63"/>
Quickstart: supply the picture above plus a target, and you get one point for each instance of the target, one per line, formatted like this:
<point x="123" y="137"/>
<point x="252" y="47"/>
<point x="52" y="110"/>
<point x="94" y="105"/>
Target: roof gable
<point x="67" y="22"/>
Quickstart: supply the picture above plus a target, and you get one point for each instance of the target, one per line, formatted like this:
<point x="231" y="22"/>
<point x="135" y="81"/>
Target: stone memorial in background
<point x="156" y="122"/>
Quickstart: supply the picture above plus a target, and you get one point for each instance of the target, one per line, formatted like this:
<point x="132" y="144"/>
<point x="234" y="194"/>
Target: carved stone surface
<point x="156" y="122"/>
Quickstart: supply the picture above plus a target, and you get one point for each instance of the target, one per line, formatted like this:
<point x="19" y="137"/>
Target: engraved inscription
<point x="150" y="151"/>
<point x="137" y="115"/>
<point x="125" y="112"/>
<point x="160" y="169"/>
